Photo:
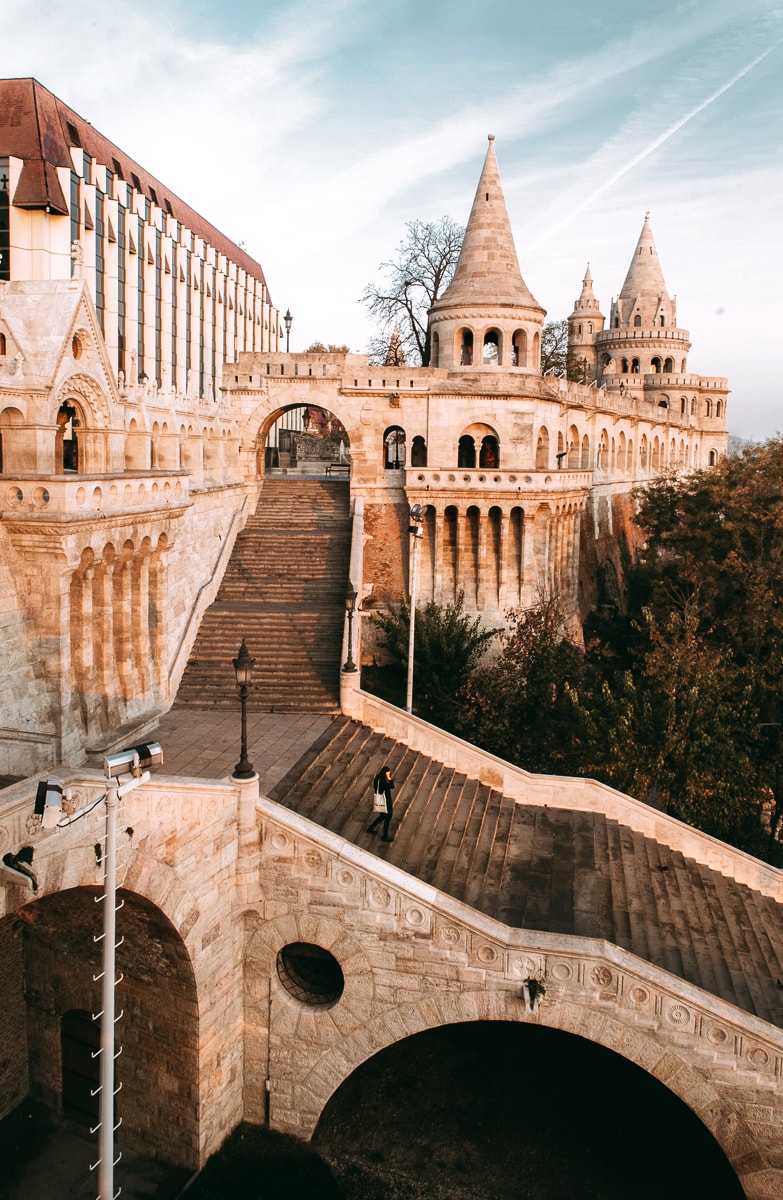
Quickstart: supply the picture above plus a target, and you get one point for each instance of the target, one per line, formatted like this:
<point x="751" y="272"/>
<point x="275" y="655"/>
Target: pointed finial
<point x="491" y="137"/>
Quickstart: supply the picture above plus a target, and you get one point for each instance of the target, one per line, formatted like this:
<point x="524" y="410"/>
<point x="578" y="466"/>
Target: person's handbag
<point x="379" y="802"/>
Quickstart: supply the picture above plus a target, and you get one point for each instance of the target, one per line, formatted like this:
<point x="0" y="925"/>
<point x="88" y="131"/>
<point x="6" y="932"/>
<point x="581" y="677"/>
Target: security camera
<point x="134" y="760"/>
<point x="49" y="801"/>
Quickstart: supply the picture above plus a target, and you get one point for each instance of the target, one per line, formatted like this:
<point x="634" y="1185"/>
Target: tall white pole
<point x="415" y="534"/>
<point x="106" y="1109"/>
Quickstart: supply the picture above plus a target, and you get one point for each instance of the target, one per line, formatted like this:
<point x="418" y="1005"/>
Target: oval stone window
<point x="311" y="974"/>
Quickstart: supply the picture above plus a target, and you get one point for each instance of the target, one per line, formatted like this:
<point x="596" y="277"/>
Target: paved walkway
<point x="205" y="743"/>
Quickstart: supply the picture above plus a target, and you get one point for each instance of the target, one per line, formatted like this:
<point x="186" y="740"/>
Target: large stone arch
<point x="158" y="1025"/>
<point x="501" y="1090"/>
<point x="722" y="1118"/>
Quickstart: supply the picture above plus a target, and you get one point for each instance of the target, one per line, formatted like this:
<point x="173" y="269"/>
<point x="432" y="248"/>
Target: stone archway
<point x="496" y="1105"/>
<point x="58" y="961"/>
<point x="303" y="436"/>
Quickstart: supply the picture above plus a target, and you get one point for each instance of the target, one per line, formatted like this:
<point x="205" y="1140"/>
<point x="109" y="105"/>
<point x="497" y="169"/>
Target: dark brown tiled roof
<point x="40" y="129"/>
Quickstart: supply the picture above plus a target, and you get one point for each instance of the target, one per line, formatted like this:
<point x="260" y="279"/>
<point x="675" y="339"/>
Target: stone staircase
<point x="548" y="869"/>
<point x="284" y="593"/>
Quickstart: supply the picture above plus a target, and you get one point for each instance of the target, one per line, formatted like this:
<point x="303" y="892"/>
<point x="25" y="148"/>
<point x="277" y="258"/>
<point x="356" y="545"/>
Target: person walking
<point x="383" y="783"/>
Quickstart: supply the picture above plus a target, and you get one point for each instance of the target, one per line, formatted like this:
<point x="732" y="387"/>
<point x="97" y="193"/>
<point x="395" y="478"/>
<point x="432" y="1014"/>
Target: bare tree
<point x="556" y="358"/>
<point x="412" y="281"/>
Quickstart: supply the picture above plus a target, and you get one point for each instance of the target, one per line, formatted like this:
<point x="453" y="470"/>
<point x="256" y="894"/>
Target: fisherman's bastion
<point x="173" y="481"/>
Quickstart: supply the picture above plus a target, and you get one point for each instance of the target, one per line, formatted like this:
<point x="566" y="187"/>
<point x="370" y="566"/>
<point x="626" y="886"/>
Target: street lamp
<point x="415" y="530"/>
<point x="287" y="319"/>
<point x="350" y="608"/>
<point x="243" y="666"/>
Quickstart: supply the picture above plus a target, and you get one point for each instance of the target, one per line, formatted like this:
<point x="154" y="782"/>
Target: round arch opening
<point x="308" y="438"/>
<point x="520" y="1109"/>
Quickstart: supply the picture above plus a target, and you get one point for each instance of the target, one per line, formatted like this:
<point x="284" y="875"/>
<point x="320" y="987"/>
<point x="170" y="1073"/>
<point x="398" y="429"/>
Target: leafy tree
<point x="710" y="576"/>
<point x="524" y="705"/>
<point x="448" y="643"/>
<point x="678" y="730"/>
<point x="413" y="280"/>
<point x="318" y="347"/>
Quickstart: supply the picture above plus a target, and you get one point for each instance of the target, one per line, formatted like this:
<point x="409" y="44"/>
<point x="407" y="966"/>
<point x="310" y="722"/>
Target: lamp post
<point x="415" y="530"/>
<point x="350" y="608"/>
<point x="287" y="319"/>
<point x="124" y="772"/>
<point x="243" y="666"/>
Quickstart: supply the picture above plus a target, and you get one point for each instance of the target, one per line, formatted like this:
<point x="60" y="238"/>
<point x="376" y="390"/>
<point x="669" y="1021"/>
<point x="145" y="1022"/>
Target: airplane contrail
<point x="654" y="145"/>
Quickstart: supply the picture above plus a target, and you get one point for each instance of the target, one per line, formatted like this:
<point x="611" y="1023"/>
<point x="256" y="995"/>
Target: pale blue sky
<point x="313" y="131"/>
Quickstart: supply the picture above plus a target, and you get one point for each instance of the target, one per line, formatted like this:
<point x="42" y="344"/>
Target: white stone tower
<point x="487" y="316"/>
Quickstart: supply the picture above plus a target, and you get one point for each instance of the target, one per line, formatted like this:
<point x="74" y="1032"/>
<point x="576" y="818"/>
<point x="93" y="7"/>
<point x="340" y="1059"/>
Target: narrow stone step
<point x="619" y="901"/>
<point x="466" y="791"/>
<point x="496" y="865"/>
<point x="592" y="901"/>
<point x="461" y="869"/>
<point x="417" y="831"/>
<point x="475" y="880"/>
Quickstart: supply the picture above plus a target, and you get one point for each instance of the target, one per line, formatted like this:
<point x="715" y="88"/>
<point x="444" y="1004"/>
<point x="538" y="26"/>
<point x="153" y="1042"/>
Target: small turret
<point x="584" y="324"/>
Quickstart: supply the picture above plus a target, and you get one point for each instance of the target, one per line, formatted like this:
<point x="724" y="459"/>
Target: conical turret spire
<point x="487" y="270"/>
<point x="645" y="280"/>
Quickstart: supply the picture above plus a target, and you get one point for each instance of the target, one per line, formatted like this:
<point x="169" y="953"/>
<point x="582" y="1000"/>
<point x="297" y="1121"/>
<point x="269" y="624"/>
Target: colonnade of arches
<point x="79" y="448"/>
<point x="117" y="624"/>
<point x="489" y="346"/>
<point x="499" y="556"/>
<point x="618" y="454"/>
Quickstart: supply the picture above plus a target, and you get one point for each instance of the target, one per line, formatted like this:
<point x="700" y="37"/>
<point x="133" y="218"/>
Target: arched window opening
<point x="536" y="363"/>
<point x="693" y="406"/>
<point x="418" y="452"/>
<point x="579" y="330"/>
<point x="682" y="366"/>
<point x="643" y="453"/>
<point x="708" y="408"/>
<point x="719" y="409"/>
<point x="465" y="347"/>
<point x="621" y="453"/>
<point x="491" y="353"/>
<point x="542" y="450"/>
<point x="655" y="366"/>
<point x="489" y="454"/>
<point x="2" y="344"/>
<point x="585" y="461"/>
<point x="67" y="440"/>
<point x="624" y="366"/>
<point x="617" y="322"/>
<point x="662" y="320"/>
<point x="434" y="349"/>
<point x="713" y="458"/>
<point x="668" y="366"/>
<point x="466" y="454"/>
<point x="573" y="448"/>
<point x="656" y="455"/>
<point x="683" y="405"/>
<point x="519" y="349"/>
<point x="635" y="366"/>
<point x="590" y="327"/>
<point x="394" y="448"/>
<point x="629" y="456"/>
<point x="637" y="321"/>
<point x="663" y="402"/>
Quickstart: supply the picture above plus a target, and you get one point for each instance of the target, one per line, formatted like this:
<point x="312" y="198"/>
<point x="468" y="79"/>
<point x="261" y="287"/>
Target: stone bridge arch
<point x="379" y="1009"/>
<point x="482" y="1096"/>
